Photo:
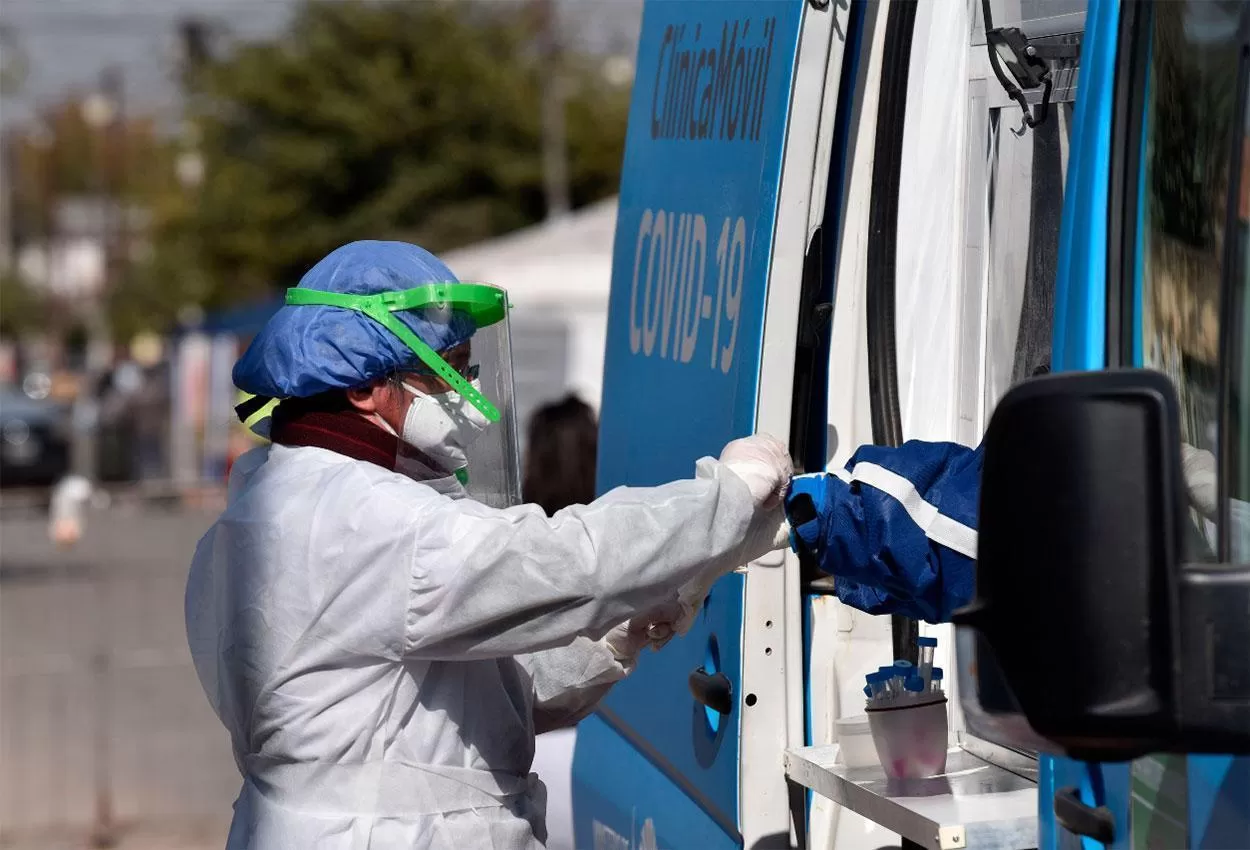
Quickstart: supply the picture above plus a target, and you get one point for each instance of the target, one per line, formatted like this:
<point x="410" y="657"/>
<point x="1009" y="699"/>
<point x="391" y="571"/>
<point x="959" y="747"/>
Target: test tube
<point x="887" y="680"/>
<point x="902" y="669"/>
<point x="876" y="685"/>
<point x="935" y="680"/>
<point x="914" y="684"/>
<point x="927" y="647"/>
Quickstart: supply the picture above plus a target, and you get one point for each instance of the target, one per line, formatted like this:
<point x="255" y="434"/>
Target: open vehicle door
<point x="1154" y="274"/>
<point x="723" y="184"/>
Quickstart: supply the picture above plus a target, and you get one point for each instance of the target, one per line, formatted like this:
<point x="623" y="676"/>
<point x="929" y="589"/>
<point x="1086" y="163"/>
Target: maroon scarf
<point x="328" y="425"/>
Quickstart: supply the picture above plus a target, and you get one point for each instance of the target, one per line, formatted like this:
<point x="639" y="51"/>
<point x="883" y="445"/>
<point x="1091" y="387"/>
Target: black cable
<point x="1009" y="85"/>
<point x="887" y="420"/>
<point x="887" y="425"/>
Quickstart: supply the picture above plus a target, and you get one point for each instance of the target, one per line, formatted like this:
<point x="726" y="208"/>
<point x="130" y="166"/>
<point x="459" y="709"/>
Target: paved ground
<point x="170" y="777"/>
<point x="97" y="689"/>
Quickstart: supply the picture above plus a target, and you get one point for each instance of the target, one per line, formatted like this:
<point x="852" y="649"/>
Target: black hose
<point x="887" y="420"/>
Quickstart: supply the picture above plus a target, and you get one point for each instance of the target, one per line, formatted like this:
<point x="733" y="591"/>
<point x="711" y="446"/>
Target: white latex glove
<point x="689" y="601"/>
<point x="764" y="465"/>
<point x="680" y="617"/>
<point x="628" y="639"/>
<point x="663" y="627"/>
<point x="763" y="462"/>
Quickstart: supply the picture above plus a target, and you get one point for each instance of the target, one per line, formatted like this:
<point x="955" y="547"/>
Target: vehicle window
<point x="1191" y="108"/>
<point x="1239" y="395"/>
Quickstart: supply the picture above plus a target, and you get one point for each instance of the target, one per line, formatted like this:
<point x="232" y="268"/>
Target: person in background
<point x="896" y="528"/>
<point x="560" y="457"/>
<point x="67" y="509"/>
<point x="151" y="410"/>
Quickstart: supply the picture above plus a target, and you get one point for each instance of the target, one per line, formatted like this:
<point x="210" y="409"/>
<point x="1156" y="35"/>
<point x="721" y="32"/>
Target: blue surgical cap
<point x="306" y="350"/>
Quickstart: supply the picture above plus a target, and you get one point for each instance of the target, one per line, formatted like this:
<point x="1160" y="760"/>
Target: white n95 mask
<point x="443" y="426"/>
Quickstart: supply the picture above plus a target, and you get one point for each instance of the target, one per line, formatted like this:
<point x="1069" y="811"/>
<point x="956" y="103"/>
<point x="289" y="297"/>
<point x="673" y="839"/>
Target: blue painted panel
<point x="655" y="703"/>
<point x="619" y="790"/>
<point x="693" y="245"/>
<point x="1081" y="287"/>
<point x="694" y="235"/>
<point x="1219" y="802"/>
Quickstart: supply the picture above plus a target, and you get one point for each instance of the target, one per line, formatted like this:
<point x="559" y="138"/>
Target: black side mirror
<point x="1110" y="645"/>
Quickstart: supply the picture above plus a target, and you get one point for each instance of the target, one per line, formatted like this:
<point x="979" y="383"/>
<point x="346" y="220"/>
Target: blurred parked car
<point x="34" y="440"/>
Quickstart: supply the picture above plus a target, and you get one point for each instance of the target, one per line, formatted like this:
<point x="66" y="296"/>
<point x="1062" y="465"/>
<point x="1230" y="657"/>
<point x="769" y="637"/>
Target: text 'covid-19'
<point x="675" y="290"/>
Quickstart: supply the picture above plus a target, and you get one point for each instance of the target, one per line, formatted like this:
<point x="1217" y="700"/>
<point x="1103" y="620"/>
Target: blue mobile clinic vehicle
<point x="850" y="222"/>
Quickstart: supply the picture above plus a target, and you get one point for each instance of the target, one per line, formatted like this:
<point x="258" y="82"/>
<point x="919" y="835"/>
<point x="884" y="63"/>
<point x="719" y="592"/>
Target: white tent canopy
<point x="558" y="275"/>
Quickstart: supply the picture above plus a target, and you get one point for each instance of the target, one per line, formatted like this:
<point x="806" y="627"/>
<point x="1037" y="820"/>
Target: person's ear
<point x="377" y="397"/>
<point x="364" y="399"/>
<point x="383" y="398"/>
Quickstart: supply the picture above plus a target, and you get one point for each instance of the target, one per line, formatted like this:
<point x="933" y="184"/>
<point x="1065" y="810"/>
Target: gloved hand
<point x="1198" y="466"/>
<point x="763" y="462"/>
<point x="679" y="616"/>
<point x="628" y="639"/>
<point x="682" y="612"/>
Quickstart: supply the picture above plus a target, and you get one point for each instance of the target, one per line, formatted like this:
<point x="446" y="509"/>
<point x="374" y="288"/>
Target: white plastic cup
<point x="855" y="741"/>
<point x="910" y="740"/>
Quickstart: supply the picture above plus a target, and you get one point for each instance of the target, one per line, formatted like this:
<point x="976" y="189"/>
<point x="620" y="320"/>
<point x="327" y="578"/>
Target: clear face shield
<point x="459" y="434"/>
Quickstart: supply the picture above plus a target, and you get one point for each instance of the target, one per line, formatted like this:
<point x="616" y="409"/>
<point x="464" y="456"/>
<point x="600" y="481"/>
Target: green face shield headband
<point x="485" y="304"/>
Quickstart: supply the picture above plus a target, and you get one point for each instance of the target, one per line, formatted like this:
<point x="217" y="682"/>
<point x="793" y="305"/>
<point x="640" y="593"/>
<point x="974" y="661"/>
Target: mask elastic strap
<point x="381" y="309"/>
<point x="385" y="426"/>
<point x="246" y="410"/>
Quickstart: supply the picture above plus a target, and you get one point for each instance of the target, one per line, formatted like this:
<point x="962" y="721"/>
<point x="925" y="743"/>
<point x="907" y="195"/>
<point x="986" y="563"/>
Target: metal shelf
<point x="973" y="805"/>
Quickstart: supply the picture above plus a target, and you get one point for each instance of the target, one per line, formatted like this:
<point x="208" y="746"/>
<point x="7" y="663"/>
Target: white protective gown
<point x="383" y="655"/>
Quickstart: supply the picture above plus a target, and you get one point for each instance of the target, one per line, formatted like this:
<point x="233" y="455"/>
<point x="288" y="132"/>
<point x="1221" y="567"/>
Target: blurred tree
<point x="406" y="119"/>
<point x="61" y="156"/>
<point x="64" y="156"/>
<point x="21" y="308"/>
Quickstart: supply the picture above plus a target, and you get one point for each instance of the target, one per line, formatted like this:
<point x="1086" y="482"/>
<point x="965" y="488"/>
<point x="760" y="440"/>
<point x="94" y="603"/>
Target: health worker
<point x="377" y="622"/>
